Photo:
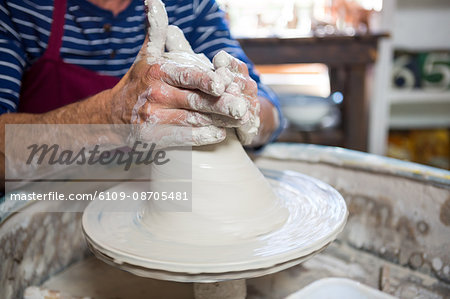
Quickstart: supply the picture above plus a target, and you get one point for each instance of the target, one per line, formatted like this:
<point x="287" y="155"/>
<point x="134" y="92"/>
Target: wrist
<point x="269" y="121"/>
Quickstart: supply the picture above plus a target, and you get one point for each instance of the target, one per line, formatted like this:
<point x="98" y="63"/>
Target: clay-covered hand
<point x="175" y="97"/>
<point x="244" y="87"/>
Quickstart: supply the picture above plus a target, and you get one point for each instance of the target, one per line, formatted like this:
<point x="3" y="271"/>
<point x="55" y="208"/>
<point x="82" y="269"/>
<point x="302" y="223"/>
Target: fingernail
<point x="226" y="75"/>
<point x="237" y="107"/>
<point x="222" y="59"/>
<point x="208" y="135"/>
<point x="216" y="85"/>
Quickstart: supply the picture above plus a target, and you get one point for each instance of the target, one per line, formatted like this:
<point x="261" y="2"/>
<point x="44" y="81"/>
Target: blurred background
<point x="370" y="75"/>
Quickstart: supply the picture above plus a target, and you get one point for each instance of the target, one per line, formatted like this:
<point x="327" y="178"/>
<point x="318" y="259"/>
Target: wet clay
<point x="238" y="220"/>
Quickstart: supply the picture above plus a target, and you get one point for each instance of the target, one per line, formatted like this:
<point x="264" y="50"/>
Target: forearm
<point x="87" y="111"/>
<point x="93" y="110"/>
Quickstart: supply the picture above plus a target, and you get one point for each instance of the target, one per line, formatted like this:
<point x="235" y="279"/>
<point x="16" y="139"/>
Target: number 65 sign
<point x="421" y="70"/>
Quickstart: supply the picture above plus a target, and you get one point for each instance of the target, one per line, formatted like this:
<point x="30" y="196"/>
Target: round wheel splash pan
<point x="317" y="214"/>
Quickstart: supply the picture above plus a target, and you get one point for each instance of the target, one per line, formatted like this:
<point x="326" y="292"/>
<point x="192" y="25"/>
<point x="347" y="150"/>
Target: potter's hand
<point x="176" y="97"/>
<point x="150" y="95"/>
<point x="244" y="87"/>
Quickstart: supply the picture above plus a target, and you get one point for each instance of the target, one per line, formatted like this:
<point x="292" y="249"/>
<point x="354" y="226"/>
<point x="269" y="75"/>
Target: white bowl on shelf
<point x="309" y="113"/>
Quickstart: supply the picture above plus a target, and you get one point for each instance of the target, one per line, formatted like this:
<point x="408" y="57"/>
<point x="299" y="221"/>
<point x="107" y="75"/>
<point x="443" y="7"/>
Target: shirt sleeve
<point x="211" y="34"/>
<point x="12" y="62"/>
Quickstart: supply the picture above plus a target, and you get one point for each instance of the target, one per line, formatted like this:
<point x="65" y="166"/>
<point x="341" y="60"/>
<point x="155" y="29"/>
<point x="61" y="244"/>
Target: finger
<point x="189" y="59"/>
<point x="228" y="122"/>
<point x="173" y="135"/>
<point x="207" y="135"/>
<point x="192" y="77"/>
<point x="227" y="104"/>
<point x="246" y="84"/>
<point x="249" y="130"/>
<point x="144" y="111"/>
<point x="181" y="117"/>
<point x="143" y="51"/>
<point x="234" y="89"/>
<point x="176" y="41"/>
<point x="158" y="23"/>
<point x="168" y="96"/>
<point x="226" y="75"/>
<point x="177" y="47"/>
<point x="223" y="59"/>
<point x="188" y="118"/>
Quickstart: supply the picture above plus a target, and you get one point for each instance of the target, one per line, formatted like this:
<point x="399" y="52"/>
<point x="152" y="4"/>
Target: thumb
<point x="158" y="23"/>
<point x="143" y="51"/>
<point x="223" y="59"/>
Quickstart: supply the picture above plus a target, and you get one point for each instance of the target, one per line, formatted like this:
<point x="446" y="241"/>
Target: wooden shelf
<point x="419" y="96"/>
<point x="419" y="122"/>
<point x="419" y="109"/>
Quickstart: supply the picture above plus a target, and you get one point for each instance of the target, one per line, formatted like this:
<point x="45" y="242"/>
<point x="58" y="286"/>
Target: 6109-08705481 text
<point x="104" y="195"/>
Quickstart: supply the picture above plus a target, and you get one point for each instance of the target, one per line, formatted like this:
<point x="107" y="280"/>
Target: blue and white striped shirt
<point x="96" y="40"/>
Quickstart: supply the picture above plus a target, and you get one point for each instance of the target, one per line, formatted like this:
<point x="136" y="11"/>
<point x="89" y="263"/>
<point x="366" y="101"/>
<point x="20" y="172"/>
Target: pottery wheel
<point x="317" y="214"/>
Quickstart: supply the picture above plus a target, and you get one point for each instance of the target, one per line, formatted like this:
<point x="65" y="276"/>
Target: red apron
<point x="50" y="82"/>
